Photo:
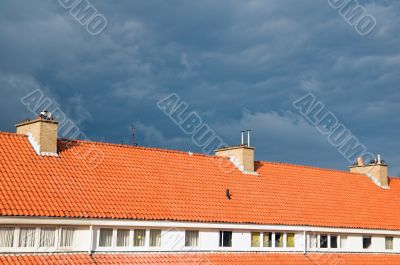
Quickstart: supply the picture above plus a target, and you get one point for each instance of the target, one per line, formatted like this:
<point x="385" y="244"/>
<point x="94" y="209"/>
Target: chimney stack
<point x="377" y="170"/>
<point x="42" y="133"/>
<point x="242" y="156"/>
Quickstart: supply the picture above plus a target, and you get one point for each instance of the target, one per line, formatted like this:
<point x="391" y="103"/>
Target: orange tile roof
<point x="203" y="259"/>
<point x="153" y="184"/>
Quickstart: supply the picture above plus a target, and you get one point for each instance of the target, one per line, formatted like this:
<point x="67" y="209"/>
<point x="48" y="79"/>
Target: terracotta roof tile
<point x="154" y="184"/>
<point x="204" y="259"/>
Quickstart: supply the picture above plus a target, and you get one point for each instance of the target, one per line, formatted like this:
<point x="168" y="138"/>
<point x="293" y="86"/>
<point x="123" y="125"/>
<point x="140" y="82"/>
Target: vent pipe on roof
<point x="248" y="138"/>
<point x="242" y="142"/>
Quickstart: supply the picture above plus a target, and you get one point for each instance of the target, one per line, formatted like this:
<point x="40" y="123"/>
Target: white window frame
<point x="198" y="239"/>
<point x="15" y="238"/>
<point x="36" y="238"/>
<point x="371" y="247"/>
<point x="113" y="239"/>
<point x="56" y="239"/>
<point x="146" y="239"/>
<point x="219" y="239"/>
<point x="272" y="240"/>
<point x="130" y="239"/>
<point x="73" y="239"/>
<point x="148" y="232"/>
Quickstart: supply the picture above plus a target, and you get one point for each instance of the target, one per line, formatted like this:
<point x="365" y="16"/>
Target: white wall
<point x="173" y="239"/>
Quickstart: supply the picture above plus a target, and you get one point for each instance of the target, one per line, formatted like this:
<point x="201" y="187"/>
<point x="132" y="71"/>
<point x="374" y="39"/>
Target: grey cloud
<point x="222" y="57"/>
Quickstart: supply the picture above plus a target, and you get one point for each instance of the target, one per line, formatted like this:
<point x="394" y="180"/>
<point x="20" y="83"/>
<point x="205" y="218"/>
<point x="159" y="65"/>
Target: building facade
<point x="79" y="202"/>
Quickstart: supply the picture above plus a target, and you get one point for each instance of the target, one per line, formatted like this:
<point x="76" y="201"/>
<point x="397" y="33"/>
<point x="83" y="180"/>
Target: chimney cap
<point x="46" y="115"/>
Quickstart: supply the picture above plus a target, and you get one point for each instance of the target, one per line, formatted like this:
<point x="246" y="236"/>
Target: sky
<point x="237" y="64"/>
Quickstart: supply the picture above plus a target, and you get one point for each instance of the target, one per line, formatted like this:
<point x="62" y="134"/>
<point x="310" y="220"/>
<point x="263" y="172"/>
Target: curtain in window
<point x="279" y="240"/>
<point x="255" y="239"/>
<point x="26" y="237"/>
<point x="155" y="238"/>
<point x="122" y="237"/>
<point x="290" y="240"/>
<point x="191" y="238"/>
<point x="313" y="241"/>
<point x="389" y="243"/>
<point x="267" y="240"/>
<point x="105" y="237"/>
<point x="139" y="238"/>
<point x="47" y="237"/>
<point x="343" y="241"/>
<point x="334" y="242"/>
<point x="6" y="237"/>
<point x="67" y="237"/>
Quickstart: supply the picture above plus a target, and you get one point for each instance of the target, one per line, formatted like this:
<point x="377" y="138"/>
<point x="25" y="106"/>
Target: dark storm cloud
<point x="239" y="64"/>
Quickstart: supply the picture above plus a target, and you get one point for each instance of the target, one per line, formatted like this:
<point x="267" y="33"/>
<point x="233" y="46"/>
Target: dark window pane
<point x="334" y="242"/>
<point x="278" y="240"/>
<point x="366" y="242"/>
<point x="323" y="241"/>
<point x="227" y="242"/>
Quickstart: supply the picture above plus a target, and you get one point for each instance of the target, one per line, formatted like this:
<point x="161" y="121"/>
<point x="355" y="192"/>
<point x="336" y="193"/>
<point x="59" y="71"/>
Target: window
<point x="105" y="237"/>
<point x="225" y="238"/>
<point x="290" y="238"/>
<point x="366" y="242"/>
<point x="26" y="237"/>
<point x="67" y="237"/>
<point x="323" y="241"/>
<point x="343" y="241"/>
<point x="191" y="238"/>
<point x="123" y="237"/>
<point x="139" y="238"/>
<point x="267" y="240"/>
<point x="255" y="239"/>
<point x="334" y="242"/>
<point x="6" y="237"/>
<point x="389" y="243"/>
<point x="278" y="240"/>
<point x="313" y="241"/>
<point x="155" y="238"/>
<point x="47" y="237"/>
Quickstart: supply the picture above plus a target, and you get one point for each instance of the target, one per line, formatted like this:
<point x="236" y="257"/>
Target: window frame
<point x="222" y="237"/>
<point x="55" y="238"/>
<point x="271" y="239"/>
<point x="161" y="237"/>
<point x="35" y="236"/>
<point x="260" y="236"/>
<point x="60" y="229"/>
<point x="365" y="237"/>
<point x="116" y="237"/>
<point x="282" y="240"/>
<point x="197" y="239"/>
<point x="287" y="240"/>
<point x="145" y="235"/>
<point x="392" y="243"/>
<point x="99" y="238"/>
<point x="14" y="237"/>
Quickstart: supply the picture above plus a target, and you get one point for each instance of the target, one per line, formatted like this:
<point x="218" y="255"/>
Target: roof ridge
<point x="157" y="149"/>
<point x="13" y="134"/>
<point x="306" y="166"/>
